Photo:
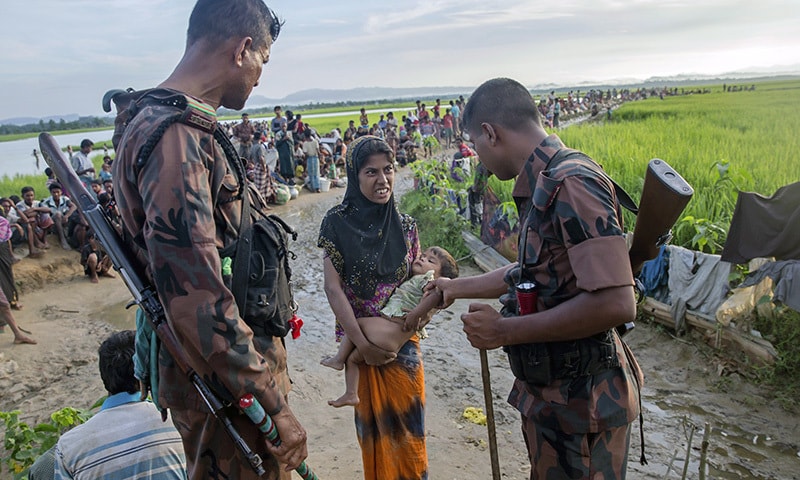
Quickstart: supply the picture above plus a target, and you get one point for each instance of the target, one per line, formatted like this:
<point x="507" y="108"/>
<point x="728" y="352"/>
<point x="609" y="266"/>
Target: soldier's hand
<point x="446" y="287"/>
<point x="374" y="355"/>
<point x="483" y="326"/>
<point x="292" y="450"/>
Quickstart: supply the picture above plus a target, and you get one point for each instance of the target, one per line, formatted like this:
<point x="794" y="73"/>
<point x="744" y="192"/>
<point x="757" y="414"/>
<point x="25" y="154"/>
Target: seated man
<point x="94" y="260"/>
<point x="126" y="438"/>
<point x="37" y="215"/>
<point x="77" y="230"/>
<point x="21" y="230"/>
<point x="60" y="209"/>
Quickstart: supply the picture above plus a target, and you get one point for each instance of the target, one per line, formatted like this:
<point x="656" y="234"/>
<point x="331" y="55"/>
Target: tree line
<point x="54" y="126"/>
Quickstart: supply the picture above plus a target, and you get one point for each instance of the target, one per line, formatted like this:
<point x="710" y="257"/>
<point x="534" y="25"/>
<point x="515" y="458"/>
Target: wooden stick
<point x="487" y="398"/>
<point x="704" y="451"/>
<point x="686" y="460"/>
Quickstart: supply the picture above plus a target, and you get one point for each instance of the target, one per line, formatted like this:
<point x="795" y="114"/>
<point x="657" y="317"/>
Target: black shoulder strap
<point x="624" y="198"/>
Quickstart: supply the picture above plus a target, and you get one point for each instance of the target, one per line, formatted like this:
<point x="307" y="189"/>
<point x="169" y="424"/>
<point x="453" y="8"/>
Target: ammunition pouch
<point x="540" y="364"/>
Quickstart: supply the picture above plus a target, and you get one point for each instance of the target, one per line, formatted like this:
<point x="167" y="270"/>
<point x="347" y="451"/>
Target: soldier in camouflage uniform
<point x="179" y="206"/>
<point x="577" y="384"/>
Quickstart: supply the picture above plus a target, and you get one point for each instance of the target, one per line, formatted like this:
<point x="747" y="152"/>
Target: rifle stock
<point x="664" y="196"/>
<point x="144" y="294"/>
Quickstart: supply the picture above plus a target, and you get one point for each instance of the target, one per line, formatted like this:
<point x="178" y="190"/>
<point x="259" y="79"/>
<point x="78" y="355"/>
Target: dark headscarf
<point x="364" y="240"/>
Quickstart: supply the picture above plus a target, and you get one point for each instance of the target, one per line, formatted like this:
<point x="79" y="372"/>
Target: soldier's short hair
<point x="500" y="101"/>
<point x="221" y="20"/>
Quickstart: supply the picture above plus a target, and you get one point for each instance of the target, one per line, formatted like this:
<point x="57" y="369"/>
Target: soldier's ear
<point x="242" y="49"/>
<point x="490" y="132"/>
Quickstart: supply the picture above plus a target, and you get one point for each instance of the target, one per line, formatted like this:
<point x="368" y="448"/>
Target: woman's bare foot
<point x="348" y="399"/>
<point x="108" y="274"/>
<point x="332" y="362"/>
<point x="19" y="339"/>
<point x="93" y="279"/>
<point x="16" y="306"/>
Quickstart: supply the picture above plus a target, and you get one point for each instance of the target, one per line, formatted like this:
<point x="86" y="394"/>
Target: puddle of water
<point x="117" y="316"/>
<point x="733" y="453"/>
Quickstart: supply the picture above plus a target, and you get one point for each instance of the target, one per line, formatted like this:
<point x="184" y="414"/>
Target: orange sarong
<point x="390" y="417"/>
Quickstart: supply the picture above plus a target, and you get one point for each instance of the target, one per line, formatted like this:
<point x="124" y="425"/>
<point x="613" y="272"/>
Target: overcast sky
<point x="60" y="56"/>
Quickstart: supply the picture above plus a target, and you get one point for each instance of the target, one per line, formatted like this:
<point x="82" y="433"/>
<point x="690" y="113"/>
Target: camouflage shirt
<point x="576" y="245"/>
<point x="180" y="206"/>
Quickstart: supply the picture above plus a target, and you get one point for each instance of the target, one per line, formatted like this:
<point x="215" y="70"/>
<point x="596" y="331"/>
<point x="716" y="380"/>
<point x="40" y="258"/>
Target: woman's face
<point x="376" y="178"/>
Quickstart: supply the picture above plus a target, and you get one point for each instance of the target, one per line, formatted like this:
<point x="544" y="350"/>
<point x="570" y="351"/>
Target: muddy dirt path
<point x="753" y="437"/>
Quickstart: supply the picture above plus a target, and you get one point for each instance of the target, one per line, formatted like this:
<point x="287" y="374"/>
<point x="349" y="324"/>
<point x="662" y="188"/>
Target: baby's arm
<point x="419" y="316"/>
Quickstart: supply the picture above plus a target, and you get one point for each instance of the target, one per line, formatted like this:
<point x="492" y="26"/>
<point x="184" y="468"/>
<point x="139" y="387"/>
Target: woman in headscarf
<point x="369" y="247"/>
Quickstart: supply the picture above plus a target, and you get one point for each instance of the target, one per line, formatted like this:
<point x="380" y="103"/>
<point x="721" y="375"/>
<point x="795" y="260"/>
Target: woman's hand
<point x="374" y="355"/>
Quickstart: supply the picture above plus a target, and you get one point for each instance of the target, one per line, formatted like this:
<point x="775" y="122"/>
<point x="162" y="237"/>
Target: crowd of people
<point x="286" y="151"/>
<point x="33" y="219"/>
<point x="572" y="426"/>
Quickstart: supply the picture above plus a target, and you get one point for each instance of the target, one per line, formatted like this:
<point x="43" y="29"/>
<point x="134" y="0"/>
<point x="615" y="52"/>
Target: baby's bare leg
<point x="381" y="332"/>
<point x="336" y="362"/>
<point x="351" y="376"/>
<point x="384" y="333"/>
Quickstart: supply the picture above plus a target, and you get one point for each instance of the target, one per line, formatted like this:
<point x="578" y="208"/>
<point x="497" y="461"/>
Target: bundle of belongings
<point x="698" y="282"/>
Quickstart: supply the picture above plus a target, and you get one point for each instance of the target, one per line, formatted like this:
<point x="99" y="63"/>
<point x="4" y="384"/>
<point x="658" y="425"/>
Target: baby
<point x="398" y="321"/>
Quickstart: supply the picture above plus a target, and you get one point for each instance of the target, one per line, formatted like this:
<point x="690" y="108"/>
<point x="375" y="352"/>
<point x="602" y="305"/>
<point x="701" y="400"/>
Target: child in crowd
<point x="398" y="321"/>
<point x="105" y="170"/>
<point x="95" y="261"/>
<point x="97" y="187"/>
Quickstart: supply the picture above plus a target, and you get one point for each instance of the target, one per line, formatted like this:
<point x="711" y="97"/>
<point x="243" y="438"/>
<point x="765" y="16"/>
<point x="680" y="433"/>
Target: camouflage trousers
<point x="556" y="455"/>
<point x="210" y="452"/>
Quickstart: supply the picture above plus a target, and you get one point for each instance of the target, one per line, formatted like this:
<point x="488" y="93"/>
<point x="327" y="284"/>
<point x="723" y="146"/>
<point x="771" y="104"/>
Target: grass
<point x="719" y="142"/>
<point x="784" y="333"/>
<point x="12" y="185"/>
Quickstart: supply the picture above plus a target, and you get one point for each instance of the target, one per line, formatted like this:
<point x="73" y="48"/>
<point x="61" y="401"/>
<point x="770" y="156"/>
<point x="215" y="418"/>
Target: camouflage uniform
<point x="180" y="207"/>
<point x="576" y="422"/>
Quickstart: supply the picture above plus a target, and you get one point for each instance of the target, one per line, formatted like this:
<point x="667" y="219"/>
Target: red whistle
<point x="295" y="323"/>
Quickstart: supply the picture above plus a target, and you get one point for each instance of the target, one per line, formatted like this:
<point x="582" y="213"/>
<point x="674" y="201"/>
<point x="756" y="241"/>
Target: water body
<point x="17" y="157"/>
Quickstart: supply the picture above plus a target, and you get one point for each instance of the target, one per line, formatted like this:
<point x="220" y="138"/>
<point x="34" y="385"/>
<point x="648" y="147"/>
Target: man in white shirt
<point x="82" y="164"/>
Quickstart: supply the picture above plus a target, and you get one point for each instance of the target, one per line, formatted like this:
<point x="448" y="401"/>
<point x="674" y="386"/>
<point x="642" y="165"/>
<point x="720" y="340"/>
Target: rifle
<point x="664" y="196"/>
<point x="146" y="297"/>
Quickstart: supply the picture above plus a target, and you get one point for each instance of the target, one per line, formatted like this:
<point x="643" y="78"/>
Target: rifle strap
<point x="622" y="196"/>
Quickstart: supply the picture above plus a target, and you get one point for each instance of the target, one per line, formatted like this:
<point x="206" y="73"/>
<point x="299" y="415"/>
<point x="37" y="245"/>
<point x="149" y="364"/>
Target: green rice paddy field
<point x="719" y="142"/>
